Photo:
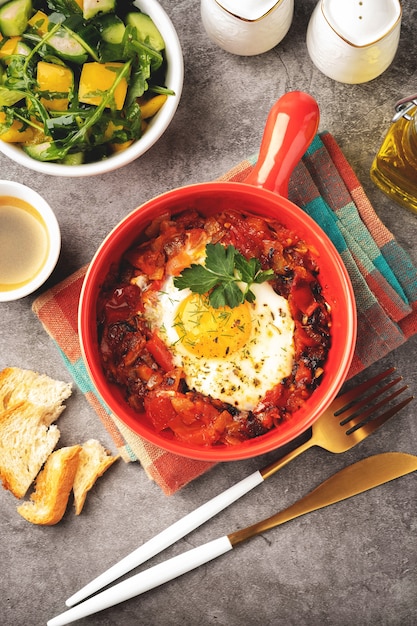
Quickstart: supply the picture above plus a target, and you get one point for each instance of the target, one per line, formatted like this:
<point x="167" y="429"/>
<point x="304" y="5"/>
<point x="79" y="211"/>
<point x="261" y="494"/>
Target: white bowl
<point x="157" y="126"/>
<point x="37" y="218"/>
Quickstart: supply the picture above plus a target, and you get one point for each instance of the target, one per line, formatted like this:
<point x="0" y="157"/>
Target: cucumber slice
<point x="111" y="28"/>
<point x="38" y="151"/>
<point x="91" y="8"/>
<point x="146" y="31"/>
<point x="73" y="158"/>
<point x="67" y="47"/>
<point x="87" y="35"/>
<point x="23" y="49"/>
<point x="14" y="17"/>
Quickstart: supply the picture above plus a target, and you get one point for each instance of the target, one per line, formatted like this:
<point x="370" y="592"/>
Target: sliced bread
<point x="53" y="486"/>
<point x="29" y="403"/>
<point x="27" y="438"/>
<point x="94" y="460"/>
<point x="17" y="384"/>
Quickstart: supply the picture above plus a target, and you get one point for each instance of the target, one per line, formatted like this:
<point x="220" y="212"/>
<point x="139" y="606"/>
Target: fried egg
<point x="232" y="354"/>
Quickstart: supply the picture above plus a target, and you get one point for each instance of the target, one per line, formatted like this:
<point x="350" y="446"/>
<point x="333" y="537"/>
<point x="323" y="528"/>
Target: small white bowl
<point x="36" y="247"/>
<point x="157" y="126"/>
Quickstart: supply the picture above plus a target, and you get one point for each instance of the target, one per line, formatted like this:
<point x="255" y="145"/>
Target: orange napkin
<point x="383" y="277"/>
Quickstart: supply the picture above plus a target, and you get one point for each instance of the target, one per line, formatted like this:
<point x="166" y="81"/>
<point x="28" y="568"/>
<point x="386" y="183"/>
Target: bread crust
<point x="49" y="501"/>
<point x="94" y="460"/>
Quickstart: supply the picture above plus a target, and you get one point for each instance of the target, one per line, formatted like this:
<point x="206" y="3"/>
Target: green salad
<point x="79" y="79"/>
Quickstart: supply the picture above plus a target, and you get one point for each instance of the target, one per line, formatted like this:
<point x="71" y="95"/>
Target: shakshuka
<point x="214" y="375"/>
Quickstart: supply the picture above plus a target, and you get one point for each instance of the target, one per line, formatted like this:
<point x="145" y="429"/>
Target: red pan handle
<point x="290" y="128"/>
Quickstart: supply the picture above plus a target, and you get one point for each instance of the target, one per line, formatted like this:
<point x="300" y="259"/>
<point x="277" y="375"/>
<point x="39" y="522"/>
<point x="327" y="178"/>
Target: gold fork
<point x="349" y="420"/>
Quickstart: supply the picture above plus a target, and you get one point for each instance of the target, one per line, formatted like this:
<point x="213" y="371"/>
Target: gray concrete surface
<point x="354" y="564"/>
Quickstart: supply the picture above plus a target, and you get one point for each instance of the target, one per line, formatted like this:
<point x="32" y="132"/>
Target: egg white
<point x="243" y="377"/>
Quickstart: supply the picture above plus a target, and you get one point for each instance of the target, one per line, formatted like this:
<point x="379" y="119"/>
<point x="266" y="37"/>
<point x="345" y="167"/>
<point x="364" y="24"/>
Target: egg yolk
<point x="212" y="333"/>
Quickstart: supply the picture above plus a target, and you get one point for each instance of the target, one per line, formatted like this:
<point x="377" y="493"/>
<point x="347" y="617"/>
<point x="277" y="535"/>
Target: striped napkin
<point x="383" y="277"/>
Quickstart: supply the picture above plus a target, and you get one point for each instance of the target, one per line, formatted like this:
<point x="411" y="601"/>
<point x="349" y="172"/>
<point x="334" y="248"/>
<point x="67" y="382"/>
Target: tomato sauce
<point x="134" y="357"/>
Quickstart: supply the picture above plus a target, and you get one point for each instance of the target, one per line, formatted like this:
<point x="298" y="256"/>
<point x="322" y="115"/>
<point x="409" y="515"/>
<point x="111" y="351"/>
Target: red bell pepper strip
<point x="160" y="352"/>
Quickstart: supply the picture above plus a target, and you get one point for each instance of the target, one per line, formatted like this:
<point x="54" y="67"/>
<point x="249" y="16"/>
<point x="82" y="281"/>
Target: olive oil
<point x="394" y="169"/>
<point x="24" y="243"/>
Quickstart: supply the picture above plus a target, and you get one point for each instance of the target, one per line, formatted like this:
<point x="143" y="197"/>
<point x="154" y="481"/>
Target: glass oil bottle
<point x="394" y="169"/>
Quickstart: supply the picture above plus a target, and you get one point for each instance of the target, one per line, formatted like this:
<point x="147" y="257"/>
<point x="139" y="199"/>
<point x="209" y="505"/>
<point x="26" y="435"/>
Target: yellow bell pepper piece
<point x="96" y="79"/>
<point x="9" y="47"/>
<point x="54" y="78"/>
<point x="119" y="147"/>
<point x="40" y="22"/>
<point x="149" y="108"/>
<point x="15" y="133"/>
<point x="109" y="132"/>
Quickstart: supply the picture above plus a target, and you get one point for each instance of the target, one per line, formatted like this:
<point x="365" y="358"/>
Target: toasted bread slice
<point x="27" y="438"/>
<point x="29" y="403"/>
<point x="17" y="384"/>
<point x="49" y="501"/>
<point x="93" y="462"/>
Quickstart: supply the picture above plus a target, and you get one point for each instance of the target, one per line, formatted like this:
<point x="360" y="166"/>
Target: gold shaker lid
<point x="248" y="10"/>
<point x="362" y="24"/>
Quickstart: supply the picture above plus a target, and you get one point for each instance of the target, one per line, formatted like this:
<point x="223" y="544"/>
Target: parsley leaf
<point x="226" y="276"/>
<point x="197" y="278"/>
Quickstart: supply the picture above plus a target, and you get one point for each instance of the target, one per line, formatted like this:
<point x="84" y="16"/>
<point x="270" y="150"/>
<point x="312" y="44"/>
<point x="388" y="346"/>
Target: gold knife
<point x="350" y="481"/>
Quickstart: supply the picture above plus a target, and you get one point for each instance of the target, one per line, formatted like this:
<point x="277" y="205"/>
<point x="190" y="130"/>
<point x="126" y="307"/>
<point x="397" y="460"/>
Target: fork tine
<point x="367" y="429"/>
<point x="352" y="396"/>
<point x="356" y="406"/>
<point x="358" y="418"/>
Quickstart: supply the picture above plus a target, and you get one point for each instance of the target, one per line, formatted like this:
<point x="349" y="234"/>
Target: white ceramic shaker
<point x="354" y="41"/>
<point x="247" y="27"/>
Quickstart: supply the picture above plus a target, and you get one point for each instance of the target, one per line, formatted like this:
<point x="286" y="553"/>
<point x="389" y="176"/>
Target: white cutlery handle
<point x="148" y="579"/>
<point x="168" y="536"/>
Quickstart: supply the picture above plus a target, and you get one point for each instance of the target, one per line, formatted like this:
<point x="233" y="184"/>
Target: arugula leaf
<point x="133" y="121"/>
<point x="138" y="83"/>
<point x="59" y="127"/>
<point x="66" y="7"/>
<point x="125" y="127"/>
<point x="161" y="90"/>
<point x="226" y="276"/>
